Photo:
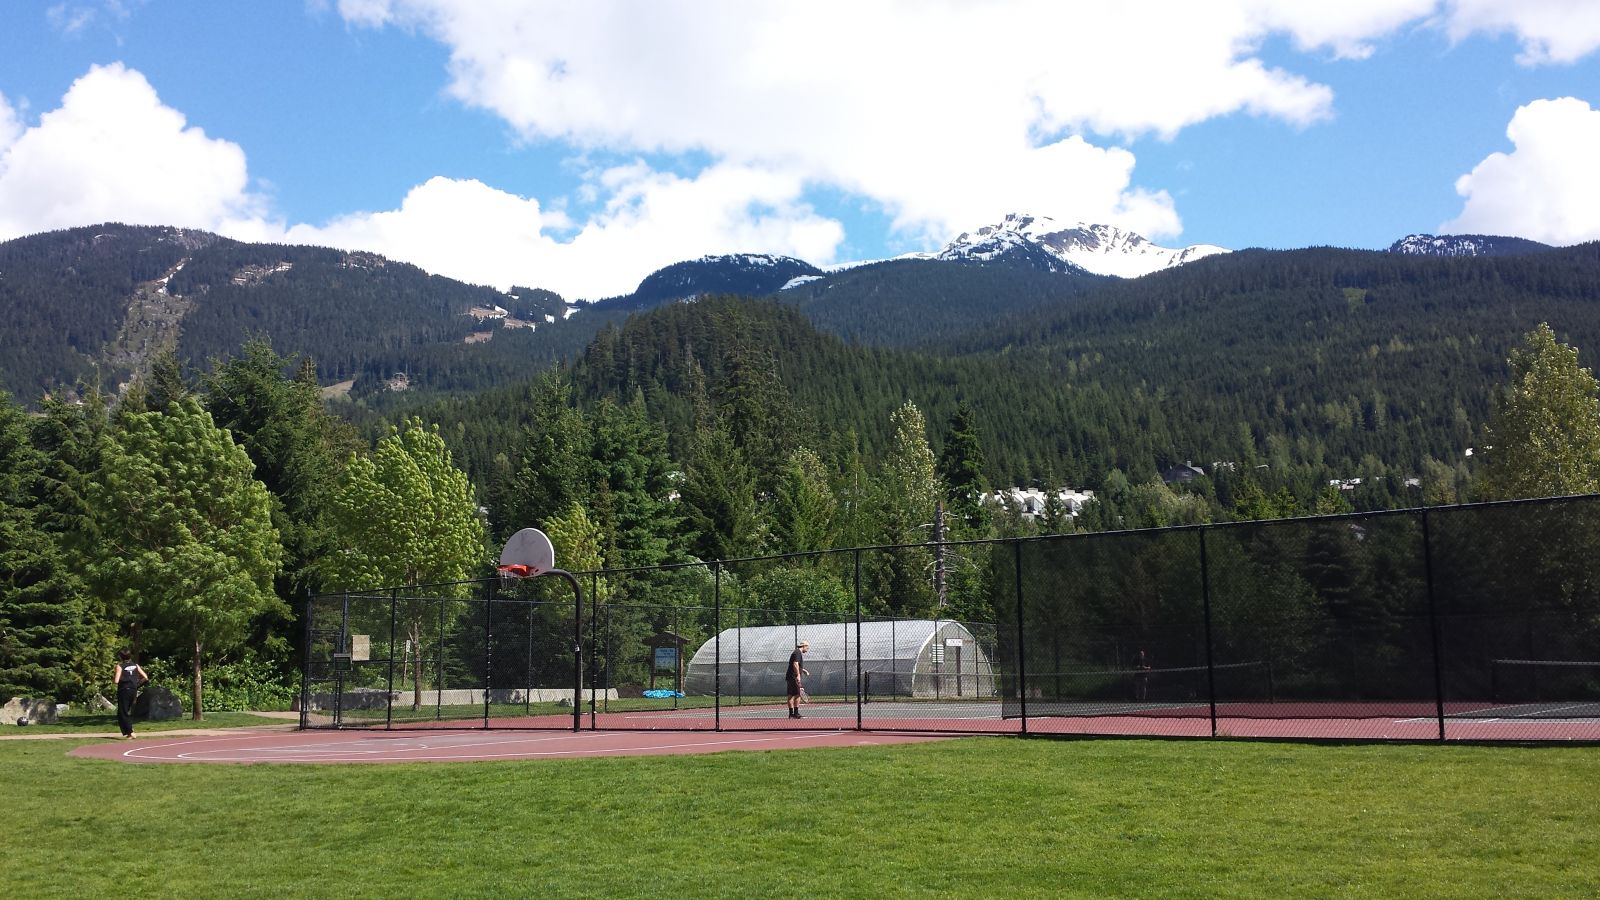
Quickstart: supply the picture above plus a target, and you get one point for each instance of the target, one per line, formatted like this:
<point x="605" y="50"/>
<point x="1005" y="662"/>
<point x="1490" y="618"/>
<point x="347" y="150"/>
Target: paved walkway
<point x="291" y="723"/>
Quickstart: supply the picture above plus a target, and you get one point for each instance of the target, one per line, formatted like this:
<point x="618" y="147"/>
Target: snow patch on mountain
<point x="799" y="280"/>
<point x="1100" y="249"/>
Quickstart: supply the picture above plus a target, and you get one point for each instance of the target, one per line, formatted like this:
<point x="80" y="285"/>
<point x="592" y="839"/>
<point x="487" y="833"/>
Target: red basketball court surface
<point x="454" y="745"/>
<point x="659" y="732"/>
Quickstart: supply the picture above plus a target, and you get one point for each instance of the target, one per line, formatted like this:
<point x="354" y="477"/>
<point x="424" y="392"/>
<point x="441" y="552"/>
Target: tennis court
<point x="1472" y="622"/>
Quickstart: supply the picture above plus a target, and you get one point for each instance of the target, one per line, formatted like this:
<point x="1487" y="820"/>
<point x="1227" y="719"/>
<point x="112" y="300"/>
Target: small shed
<point x="901" y="657"/>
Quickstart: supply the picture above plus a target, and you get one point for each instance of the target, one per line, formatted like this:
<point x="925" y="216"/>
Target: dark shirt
<point x="796" y="661"/>
<point x="131" y="674"/>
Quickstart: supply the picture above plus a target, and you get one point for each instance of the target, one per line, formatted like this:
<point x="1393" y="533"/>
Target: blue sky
<point x="580" y="146"/>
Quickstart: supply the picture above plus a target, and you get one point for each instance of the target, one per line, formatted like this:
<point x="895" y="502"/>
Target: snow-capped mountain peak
<point x="1466" y="245"/>
<point x="1100" y="249"/>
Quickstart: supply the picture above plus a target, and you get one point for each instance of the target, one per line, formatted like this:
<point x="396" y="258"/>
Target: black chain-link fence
<point x="1474" y="622"/>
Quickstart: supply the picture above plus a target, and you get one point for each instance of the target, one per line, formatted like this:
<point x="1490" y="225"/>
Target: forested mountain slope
<point x="1346" y="353"/>
<point x="109" y="298"/>
<point x="1314" y="364"/>
<point x="925" y="302"/>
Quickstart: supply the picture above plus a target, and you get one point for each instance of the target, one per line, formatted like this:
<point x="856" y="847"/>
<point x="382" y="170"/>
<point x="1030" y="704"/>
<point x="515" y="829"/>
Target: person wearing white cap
<point x="794" y="677"/>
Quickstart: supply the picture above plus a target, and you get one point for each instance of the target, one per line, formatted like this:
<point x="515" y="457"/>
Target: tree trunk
<point x="197" y="714"/>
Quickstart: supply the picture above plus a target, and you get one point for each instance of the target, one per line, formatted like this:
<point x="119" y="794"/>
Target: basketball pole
<point x="577" y="644"/>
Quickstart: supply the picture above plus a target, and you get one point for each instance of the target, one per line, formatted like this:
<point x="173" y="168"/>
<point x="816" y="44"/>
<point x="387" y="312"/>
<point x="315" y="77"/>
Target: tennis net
<point x="1544" y="680"/>
<point x="1154" y="691"/>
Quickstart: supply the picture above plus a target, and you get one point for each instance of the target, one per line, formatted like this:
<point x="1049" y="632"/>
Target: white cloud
<point x="1550" y="31"/>
<point x="1548" y="188"/>
<point x="1348" y="28"/>
<point x="470" y="231"/>
<point x="112" y="151"/>
<point x="10" y="124"/>
<point x="72" y="18"/>
<point x="945" y="113"/>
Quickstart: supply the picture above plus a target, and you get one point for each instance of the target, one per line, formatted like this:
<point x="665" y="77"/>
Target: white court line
<point x="327" y="757"/>
<point x="334" y="747"/>
<point x="1514" y="718"/>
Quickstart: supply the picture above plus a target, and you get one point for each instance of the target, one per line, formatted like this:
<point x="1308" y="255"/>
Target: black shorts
<point x="794" y="687"/>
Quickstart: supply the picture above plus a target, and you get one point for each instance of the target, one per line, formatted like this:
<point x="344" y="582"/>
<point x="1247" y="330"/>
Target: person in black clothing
<point x="128" y="678"/>
<point x="794" y="677"/>
<point x="1141" y="676"/>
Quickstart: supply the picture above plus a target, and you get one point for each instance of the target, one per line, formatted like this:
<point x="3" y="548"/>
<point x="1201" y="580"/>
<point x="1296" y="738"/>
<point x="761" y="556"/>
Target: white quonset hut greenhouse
<point x="921" y="658"/>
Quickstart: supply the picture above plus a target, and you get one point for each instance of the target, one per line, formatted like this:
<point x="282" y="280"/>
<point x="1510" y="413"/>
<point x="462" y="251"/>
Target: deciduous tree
<point x="406" y="516"/>
<point x="1544" y="432"/>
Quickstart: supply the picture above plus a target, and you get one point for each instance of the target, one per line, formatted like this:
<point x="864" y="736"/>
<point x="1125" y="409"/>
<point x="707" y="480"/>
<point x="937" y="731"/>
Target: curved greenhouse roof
<point x="902" y="656"/>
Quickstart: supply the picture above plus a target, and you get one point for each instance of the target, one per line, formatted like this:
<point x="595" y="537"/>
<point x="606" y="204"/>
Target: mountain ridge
<point x="1096" y="249"/>
<point x="1456" y="245"/>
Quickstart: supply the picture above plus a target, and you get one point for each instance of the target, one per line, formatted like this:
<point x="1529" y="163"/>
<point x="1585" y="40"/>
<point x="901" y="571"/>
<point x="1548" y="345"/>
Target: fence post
<point x="1433" y="622"/>
<point x="488" y="649"/>
<point x="577" y="650"/>
<point x="438" y="685"/>
<point x="594" y="649"/>
<point x="527" y="672"/>
<point x="388" y="706"/>
<point x="609" y="658"/>
<point x="860" y="693"/>
<point x="1022" y="668"/>
<point x="342" y="648"/>
<point x="305" y="671"/>
<point x="716" y="647"/>
<point x="1205" y="599"/>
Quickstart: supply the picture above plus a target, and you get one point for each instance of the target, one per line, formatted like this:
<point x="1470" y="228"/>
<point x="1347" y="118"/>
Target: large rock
<point x="156" y="704"/>
<point x="34" y="712"/>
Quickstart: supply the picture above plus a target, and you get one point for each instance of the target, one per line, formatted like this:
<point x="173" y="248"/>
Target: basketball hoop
<point x="527" y="554"/>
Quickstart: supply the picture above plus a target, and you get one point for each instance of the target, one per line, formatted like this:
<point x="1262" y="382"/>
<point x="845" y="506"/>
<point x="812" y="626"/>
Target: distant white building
<point x="1031" y="500"/>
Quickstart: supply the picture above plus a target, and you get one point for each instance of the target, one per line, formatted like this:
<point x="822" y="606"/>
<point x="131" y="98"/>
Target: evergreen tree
<point x="909" y="496"/>
<point x="296" y="447"/>
<point x="71" y="437"/>
<point x="553" y="462"/>
<point x="961" y="465"/>
<point x="1544" y="433"/>
<point x="755" y="405"/>
<point x="1056" y="517"/>
<point x="857" y="493"/>
<point x="804" y="511"/>
<point x="41" y="627"/>
<point x="186" y="540"/>
<point x="629" y="464"/>
<point x="719" y="498"/>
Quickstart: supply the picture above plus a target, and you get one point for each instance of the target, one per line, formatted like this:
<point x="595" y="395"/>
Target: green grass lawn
<point x="976" y="817"/>
<point x="87" y="723"/>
